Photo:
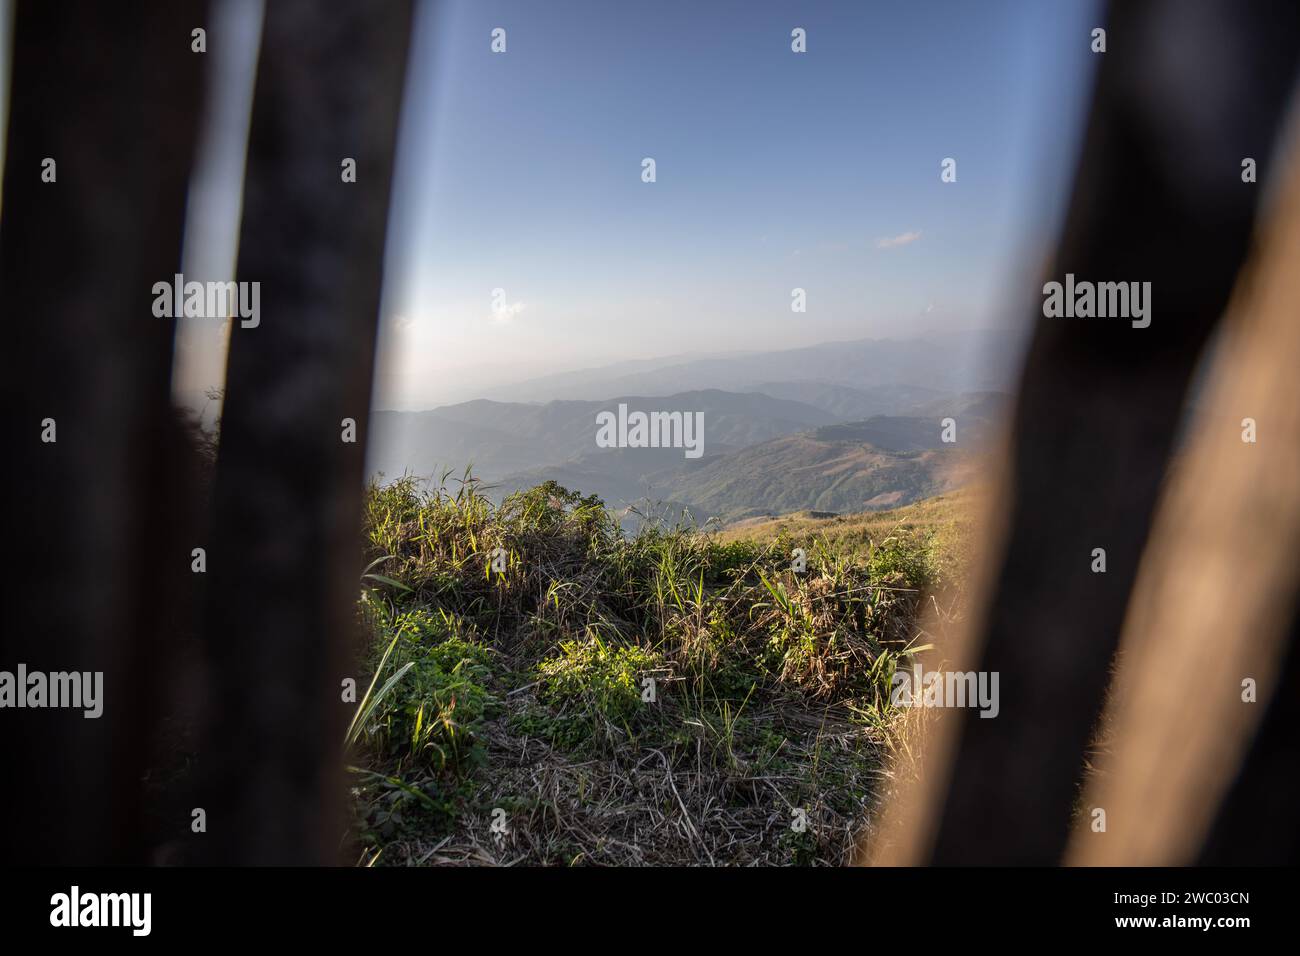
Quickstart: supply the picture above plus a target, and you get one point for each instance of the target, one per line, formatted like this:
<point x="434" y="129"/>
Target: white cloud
<point x="901" y="240"/>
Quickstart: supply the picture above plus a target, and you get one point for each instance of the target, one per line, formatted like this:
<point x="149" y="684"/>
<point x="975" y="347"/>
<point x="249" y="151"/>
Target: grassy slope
<point x="945" y="519"/>
<point x="519" y="696"/>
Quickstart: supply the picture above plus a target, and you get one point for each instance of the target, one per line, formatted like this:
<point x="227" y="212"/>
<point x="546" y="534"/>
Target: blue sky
<point x="775" y="170"/>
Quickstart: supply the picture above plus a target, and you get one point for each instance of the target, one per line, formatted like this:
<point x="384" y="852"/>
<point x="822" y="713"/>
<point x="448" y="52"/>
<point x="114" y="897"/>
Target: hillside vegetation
<point x="547" y="689"/>
<point x="943" y="522"/>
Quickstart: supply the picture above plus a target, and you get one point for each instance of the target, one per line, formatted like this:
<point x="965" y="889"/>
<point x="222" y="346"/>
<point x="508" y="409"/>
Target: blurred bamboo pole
<point x="94" y="519"/>
<point x="285" y="562"/>
<point x="1215" y="600"/>
<point x="1157" y="197"/>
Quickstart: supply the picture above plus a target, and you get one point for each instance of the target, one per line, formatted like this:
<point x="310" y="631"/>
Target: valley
<point x="767" y="448"/>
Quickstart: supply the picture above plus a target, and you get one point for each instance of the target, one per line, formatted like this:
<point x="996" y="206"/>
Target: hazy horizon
<point x="496" y="378"/>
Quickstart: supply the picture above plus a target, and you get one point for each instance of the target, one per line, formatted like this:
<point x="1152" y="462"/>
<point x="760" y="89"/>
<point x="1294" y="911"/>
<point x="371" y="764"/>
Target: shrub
<point x="432" y="715"/>
<point x="595" y="685"/>
<point x="906" y="554"/>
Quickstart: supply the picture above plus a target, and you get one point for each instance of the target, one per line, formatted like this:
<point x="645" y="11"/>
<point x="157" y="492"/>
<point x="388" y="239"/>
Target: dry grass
<point x="519" y="733"/>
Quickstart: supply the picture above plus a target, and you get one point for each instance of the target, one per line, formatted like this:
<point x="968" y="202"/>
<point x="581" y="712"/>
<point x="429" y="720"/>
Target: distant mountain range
<point x="883" y="462"/>
<point x="498" y="438"/>
<point x="943" y="362"/>
<point x="771" y="446"/>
